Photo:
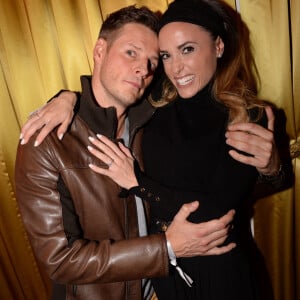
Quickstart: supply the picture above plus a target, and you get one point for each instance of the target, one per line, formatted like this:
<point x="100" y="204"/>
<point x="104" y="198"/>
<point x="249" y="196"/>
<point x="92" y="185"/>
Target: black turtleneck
<point x="184" y="149"/>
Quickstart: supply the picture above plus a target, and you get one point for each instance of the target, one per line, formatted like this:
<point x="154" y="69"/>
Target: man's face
<point x="124" y="67"/>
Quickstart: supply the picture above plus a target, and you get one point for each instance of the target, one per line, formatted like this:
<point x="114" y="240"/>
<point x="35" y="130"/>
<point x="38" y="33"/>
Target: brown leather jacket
<point x="81" y="231"/>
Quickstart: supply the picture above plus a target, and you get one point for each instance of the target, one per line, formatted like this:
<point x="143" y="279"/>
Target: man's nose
<point x="143" y="68"/>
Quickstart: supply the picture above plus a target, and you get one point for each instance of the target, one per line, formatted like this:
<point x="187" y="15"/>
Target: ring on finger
<point x="34" y="114"/>
<point x="110" y="163"/>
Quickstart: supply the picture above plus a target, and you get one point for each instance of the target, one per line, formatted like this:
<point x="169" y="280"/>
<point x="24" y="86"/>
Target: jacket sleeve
<point x="80" y="261"/>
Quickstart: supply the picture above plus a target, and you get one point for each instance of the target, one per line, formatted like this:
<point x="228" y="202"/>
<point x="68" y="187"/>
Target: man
<point x="91" y="242"/>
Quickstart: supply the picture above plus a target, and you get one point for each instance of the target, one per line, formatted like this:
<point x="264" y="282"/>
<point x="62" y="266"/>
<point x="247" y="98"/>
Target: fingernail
<point x="22" y="142"/>
<point x="90" y="148"/>
<point x="21" y="136"/>
<point x="36" y="143"/>
<point x="91" y="138"/>
<point x="60" y="136"/>
<point x="99" y="136"/>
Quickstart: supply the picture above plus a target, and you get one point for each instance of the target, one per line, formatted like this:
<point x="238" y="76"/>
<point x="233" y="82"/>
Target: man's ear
<point x="99" y="48"/>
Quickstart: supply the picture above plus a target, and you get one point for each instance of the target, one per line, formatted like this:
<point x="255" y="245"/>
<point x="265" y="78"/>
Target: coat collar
<point x="104" y="120"/>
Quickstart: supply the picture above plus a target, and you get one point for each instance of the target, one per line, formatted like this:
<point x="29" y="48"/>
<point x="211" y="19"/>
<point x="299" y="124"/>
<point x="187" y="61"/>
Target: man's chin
<point x="134" y="100"/>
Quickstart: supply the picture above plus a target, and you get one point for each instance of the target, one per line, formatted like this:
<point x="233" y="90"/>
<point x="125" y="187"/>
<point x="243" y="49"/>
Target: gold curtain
<point x="46" y="44"/>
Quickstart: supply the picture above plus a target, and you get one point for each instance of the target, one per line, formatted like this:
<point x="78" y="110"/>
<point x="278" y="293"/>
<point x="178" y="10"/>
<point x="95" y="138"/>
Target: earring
<point x="219" y="55"/>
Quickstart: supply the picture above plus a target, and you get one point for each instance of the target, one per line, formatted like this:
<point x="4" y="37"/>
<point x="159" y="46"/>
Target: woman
<point x="205" y="52"/>
<point x="206" y="56"/>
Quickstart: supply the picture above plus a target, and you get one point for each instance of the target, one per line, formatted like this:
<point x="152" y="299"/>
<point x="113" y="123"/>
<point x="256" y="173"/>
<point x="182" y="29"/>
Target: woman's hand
<point x="59" y="111"/>
<point x="118" y="159"/>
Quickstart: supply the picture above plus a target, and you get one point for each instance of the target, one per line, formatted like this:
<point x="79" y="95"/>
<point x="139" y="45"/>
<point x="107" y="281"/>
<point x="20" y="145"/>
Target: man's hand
<point x="188" y="239"/>
<point x="258" y="142"/>
<point x="59" y="111"/>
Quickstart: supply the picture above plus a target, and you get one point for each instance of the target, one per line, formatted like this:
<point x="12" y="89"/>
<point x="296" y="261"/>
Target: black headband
<point x="196" y="12"/>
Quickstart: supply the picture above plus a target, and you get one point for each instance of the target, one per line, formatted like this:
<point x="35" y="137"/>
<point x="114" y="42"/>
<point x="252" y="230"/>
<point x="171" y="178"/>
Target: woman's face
<point x="189" y="55"/>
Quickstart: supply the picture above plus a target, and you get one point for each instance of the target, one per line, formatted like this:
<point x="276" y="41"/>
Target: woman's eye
<point x="187" y="49"/>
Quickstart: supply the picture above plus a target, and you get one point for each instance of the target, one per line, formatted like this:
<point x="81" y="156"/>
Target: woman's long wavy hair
<point x="235" y="82"/>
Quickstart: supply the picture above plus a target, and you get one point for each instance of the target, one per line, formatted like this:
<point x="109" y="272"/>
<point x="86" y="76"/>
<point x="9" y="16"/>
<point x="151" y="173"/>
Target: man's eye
<point x="153" y="66"/>
<point x="164" y="56"/>
<point x="131" y="53"/>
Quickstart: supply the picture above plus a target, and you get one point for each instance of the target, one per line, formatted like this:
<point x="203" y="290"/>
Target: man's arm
<point x="248" y="137"/>
<point x="84" y="260"/>
<point x="187" y="239"/>
<point x="268" y="149"/>
<point x="87" y="261"/>
<point x="258" y="142"/>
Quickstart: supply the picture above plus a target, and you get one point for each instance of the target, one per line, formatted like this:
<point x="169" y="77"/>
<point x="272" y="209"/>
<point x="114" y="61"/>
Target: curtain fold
<point x="46" y="44"/>
<point x="295" y="42"/>
<point x="273" y="26"/>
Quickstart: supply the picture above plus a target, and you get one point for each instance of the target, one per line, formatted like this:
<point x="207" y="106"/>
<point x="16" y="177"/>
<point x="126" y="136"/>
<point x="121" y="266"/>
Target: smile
<point x="185" y="80"/>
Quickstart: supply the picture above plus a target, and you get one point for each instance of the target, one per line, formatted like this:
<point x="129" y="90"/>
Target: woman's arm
<point x="125" y="171"/>
<point x="261" y="146"/>
<point x="59" y="110"/>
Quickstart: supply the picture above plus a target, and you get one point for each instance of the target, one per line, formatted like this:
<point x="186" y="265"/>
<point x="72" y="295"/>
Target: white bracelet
<point x="189" y="281"/>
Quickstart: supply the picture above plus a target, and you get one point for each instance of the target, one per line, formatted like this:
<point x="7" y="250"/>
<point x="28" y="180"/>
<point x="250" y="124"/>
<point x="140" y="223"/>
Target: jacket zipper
<point x="74" y="290"/>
